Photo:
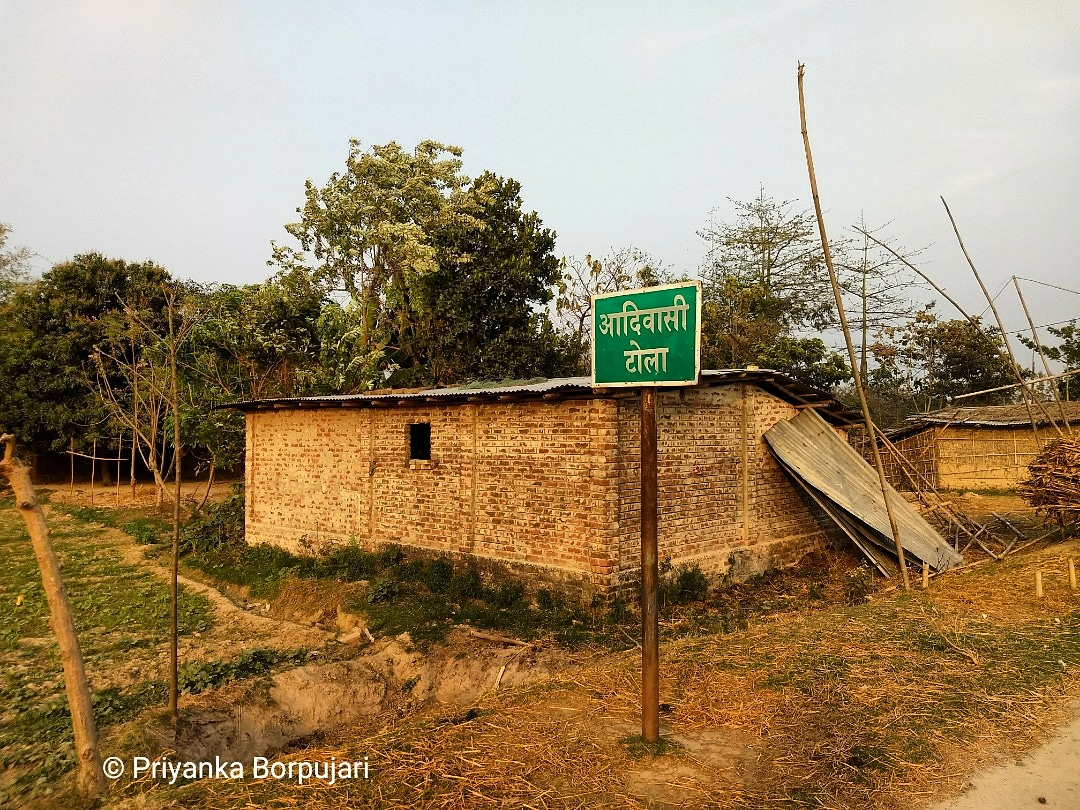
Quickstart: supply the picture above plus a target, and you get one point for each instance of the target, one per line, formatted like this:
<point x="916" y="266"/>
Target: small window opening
<point x="420" y="441"/>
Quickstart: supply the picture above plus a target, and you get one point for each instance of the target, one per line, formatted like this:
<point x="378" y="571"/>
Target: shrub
<point x="437" y="575"/>
<point x="222" y="524"/>
<point x="858" y="584"/>
<point x="467" y="584"/>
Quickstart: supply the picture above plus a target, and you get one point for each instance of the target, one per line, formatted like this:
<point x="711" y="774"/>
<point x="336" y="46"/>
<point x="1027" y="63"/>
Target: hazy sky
<point x="184" y="131"/>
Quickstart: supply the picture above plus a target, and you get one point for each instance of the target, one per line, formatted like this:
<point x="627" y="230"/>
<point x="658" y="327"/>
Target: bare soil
<point x="363" y="686"/>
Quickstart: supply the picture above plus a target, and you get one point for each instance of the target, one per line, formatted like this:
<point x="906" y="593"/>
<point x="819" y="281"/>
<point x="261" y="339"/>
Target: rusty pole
<point x="650" y="600"/>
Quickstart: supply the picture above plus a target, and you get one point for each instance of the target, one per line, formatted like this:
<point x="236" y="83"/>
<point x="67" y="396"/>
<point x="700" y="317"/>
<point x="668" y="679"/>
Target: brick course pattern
<point x="548" y="486"/>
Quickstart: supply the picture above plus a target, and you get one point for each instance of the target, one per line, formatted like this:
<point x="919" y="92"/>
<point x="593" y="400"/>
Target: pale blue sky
<point x="184" y="131"/>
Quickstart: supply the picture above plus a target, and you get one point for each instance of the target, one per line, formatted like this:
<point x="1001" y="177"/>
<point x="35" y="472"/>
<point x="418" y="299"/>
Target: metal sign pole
<point x="650" y="601"/>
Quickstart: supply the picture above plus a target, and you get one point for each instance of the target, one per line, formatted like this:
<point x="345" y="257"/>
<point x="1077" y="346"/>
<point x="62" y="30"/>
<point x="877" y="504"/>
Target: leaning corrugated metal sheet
<point x="847" y="488"/>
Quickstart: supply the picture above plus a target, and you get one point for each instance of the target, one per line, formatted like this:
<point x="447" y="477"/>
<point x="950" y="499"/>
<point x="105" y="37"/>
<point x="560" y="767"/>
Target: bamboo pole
<point x="1042" y="355"/>
<point x="90" y="780"/>
<point x="1072" y="573"/>
<point x="871" y="432"/>
<point x="1038" y="584"/>
<point x="1016" y="385"/>
<point x="1029" y="394"/>
<point x="1020" y="381"/>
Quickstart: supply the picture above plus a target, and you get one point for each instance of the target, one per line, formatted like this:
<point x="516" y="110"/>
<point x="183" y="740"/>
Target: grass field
<point x="122" y="615"/>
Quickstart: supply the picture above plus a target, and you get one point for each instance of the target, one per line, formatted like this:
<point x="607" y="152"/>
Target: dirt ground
<point x="1048" y="776"/>
<point x="383" y="680"/>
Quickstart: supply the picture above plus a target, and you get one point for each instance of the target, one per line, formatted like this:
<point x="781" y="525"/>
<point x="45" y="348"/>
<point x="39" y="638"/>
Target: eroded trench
<point x="390" y="681"/>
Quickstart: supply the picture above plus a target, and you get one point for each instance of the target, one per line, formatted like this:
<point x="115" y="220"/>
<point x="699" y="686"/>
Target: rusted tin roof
<point x="774" y="382"/>
<point x="849" y="491"/>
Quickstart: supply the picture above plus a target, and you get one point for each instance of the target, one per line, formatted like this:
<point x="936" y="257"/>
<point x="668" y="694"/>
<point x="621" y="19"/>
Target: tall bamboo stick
<point x="1042" y="355"/>
<point x="870" y="429"/>
<point x="1020" y="381"/>
<point x="1029" y="394"/>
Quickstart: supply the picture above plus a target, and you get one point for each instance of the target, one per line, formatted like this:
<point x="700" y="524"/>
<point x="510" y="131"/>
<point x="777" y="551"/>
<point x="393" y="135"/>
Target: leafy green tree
<point x="51" y="330"/>
<point x="369" y="229"/>
<point x="1067" y="352"/>
<point x="480" y="313"/>
<point x="807" y="360"/>
<point x="935" y="360"/>
<point x="446" y="278"/>
<point x="258" y="340"/>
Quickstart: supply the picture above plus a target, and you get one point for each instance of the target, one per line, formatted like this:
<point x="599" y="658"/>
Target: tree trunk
<point x="90" y="780"/>
<point x="209" y="484"/>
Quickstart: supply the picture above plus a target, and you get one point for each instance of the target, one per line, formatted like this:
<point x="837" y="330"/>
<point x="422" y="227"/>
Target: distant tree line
<point x="407" y="273"/>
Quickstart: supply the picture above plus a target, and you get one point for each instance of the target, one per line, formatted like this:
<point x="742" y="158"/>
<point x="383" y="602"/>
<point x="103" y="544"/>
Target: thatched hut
<point x="988" y="447"/>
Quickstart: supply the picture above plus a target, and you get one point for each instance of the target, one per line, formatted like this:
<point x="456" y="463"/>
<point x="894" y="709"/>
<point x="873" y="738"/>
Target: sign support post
<point x="650" y="596"/>
<point x="645" y="339"/>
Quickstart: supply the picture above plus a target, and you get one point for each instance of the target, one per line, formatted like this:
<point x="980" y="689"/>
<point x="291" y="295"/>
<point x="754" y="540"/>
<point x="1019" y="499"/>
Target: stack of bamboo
<point x="1054" y="484"/>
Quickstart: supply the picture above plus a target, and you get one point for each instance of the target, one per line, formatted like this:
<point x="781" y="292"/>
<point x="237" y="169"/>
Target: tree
<point x="764" y="282"/>
<point x="258" y="340"/>
<point x="936" y="360"/>
<point x="136" y="378"/>
<point x="14" y="265"/>
<point x="445" y="277"/>
<point x="369" y="229"/>
<point x="880" y="288"/>
<point x="579" y="279"/>
<point x="52" y="327"/>
<point x="1067" y="352"/>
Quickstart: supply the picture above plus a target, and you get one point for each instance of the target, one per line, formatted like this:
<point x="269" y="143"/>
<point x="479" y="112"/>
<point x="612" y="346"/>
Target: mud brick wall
<point x="549" y="486"/>
<point x="520" y="482"/>
<point x="704" y="517"/>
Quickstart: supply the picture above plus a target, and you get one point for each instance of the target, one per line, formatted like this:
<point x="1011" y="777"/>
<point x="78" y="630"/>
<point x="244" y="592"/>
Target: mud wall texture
<point x="971" y="457"/>
<point x="547" y="486"/>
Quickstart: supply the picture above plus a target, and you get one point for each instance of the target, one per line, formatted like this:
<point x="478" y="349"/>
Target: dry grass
<point x="888" y="704"/>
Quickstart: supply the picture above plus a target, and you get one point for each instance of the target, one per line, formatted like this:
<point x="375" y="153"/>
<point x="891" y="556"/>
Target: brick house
<point x="540" y="477"/>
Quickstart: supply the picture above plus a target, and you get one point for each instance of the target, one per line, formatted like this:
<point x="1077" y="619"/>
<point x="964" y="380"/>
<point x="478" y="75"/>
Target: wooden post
<point x="174" y="627"/>
<point x="90" y="780"/>
<point x="744" y="459"/>
<point x="650" y="598"/>
<point x="134" y="450"/>
<point x="71" y="452"/>
<point x="119" y="456"/>
<point x="871" y="431"/>
<point x="1038" y="583"/>
<point x="925" y="575"/>
<point x="1072" y="574"/>
<point x="93" y="470"/>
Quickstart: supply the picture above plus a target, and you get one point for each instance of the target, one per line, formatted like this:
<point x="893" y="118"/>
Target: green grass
<point x="122" y="616"/>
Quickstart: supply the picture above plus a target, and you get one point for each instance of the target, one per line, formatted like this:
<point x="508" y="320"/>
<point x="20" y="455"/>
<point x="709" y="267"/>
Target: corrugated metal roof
<point x="848" y="489"/>
<point x="997" y="415"/>
<point x="775" y="382"/>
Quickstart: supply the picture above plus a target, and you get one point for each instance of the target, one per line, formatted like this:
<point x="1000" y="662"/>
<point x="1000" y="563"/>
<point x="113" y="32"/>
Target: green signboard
<point x="650" y="336"/>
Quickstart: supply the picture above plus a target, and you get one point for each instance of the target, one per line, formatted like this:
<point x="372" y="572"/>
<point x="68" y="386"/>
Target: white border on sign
<point x="667" y="383"/>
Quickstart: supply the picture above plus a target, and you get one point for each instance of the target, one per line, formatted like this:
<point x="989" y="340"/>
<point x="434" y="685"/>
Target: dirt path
<point x="1048" y="776"/>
